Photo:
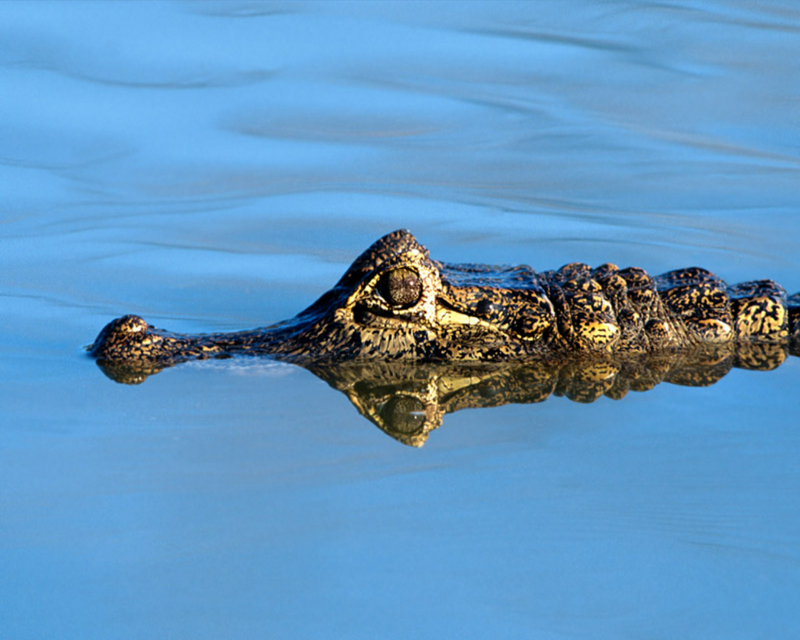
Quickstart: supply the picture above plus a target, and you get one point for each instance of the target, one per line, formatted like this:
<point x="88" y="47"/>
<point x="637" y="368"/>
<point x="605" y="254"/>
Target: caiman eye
<point x="401" y="287"/>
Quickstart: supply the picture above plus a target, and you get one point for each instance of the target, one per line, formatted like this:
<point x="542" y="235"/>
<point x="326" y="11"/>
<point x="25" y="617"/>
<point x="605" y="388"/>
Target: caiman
<point x="395" y="303"/>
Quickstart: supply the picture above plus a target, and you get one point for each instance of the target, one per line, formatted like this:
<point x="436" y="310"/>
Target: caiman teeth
<point x="449" y="317"/>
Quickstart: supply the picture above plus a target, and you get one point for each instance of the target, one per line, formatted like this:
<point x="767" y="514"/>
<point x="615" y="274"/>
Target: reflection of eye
<point x="401" y="287"/>
<point x="405" y="415"/>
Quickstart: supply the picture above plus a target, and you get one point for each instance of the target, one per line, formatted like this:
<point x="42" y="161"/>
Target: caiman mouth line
<point x="397" y="304"/>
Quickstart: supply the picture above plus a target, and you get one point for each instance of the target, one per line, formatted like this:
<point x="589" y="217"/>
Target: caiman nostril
<point x="131" y="324"/>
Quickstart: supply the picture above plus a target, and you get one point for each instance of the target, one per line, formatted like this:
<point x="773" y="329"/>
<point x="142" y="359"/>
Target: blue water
<point x="217" y="165"/>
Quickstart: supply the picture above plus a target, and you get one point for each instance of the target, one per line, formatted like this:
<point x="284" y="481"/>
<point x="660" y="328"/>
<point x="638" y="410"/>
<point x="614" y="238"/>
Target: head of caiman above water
<point x="396" y="303"/>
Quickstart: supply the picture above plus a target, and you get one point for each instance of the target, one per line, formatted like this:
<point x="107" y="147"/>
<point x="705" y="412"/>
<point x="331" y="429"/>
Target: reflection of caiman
<point x="396" y="304"/>
<point x="409" y="400"/>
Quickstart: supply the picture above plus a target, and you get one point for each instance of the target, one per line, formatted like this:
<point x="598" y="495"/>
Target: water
<point x="217" y="165"/>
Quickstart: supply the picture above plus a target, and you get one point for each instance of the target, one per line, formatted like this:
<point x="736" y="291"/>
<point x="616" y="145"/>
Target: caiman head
<point x="393" y="303"/>
<point x="396" y="303"/>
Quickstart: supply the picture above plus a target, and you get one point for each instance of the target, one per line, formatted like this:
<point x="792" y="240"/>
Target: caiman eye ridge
<point x="401" y="287"/>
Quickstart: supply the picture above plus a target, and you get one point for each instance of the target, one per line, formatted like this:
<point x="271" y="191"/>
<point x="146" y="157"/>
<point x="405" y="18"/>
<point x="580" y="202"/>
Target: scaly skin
<point x="396" y="304"/>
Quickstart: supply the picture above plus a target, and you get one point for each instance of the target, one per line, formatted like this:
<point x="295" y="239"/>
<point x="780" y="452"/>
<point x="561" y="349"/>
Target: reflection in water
<point x="409" y="400"/>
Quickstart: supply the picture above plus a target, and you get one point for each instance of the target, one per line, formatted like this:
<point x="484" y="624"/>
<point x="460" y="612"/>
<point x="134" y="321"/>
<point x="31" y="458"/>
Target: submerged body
<point x="397" y="304"/>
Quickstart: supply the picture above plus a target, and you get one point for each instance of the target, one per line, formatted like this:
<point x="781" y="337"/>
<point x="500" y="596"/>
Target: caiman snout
<point x="120" y="338"/>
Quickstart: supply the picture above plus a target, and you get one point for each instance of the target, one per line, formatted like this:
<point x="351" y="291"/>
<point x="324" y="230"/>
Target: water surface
<point x="217" y="165"/>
